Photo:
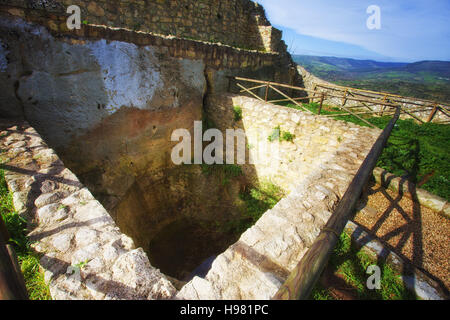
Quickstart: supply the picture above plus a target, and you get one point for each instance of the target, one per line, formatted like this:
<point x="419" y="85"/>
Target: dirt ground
<point x="416" y="233"/>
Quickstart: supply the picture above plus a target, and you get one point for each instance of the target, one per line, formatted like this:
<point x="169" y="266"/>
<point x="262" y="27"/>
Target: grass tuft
<point x="237" y="110"/>
<point x="351" y="263"/>
<point x="28" y="259"/>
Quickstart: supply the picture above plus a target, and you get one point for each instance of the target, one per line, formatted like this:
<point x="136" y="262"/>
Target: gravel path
<point x="414" y="232"/>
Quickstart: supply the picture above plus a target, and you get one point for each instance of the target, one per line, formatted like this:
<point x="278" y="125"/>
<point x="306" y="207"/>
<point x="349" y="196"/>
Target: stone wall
<point x="316" y="138"/>
<point x="317" y="168"/>
<point x="234" y="22"/>
<point x="310" y="82"/>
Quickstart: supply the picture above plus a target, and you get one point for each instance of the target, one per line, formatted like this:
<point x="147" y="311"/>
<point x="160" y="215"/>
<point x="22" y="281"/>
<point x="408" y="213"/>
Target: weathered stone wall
<point x="234" y="22"/>
<point x="316" y="138"/>
<point x="310" y="82"/>
<point x="71" y="228"/>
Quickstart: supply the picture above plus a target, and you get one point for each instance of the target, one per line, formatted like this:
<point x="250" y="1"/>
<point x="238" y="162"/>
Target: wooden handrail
<point x="272" y="84"/>
<point x="375" y="99"/>
<point x="389" y="95"/>
<point x="302" y="279"/>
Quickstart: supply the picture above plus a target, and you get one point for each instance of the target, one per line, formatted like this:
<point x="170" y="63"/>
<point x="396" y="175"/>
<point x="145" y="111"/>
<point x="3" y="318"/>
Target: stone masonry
<point x="239" y="23"/>
<point x="84" y="254"/>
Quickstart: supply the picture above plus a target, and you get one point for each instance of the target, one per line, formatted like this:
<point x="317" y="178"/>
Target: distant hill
<point x="424" y="79"/>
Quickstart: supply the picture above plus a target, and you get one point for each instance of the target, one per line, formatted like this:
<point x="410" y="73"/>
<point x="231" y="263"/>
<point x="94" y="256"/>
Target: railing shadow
<point x="411" y="228"/>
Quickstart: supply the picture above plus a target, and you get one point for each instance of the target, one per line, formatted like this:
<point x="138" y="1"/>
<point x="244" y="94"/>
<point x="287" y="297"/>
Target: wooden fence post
<point x="322" y="97"/>
<point x="344" y="98"/>
<point x="433" y="113"/>
<point x="314" y="94"/>
<point x="12" y="283"/>
<point x="383" y="107"/>
<point x="4" y="234"/>
<point x="267" y="92"/>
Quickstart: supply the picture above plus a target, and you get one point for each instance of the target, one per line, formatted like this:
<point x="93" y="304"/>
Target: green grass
<point x="229" y="170"/>
<point x="257" y="201"/>
<point x="351" y="264"/>
<point x="416" y="151"/>
<point x="28" y="259"/>
<point x="413" y="151"/>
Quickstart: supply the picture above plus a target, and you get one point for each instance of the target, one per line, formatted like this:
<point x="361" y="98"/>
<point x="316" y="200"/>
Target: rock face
<point x="106" y="107"/>
<point x="78" y="85"/>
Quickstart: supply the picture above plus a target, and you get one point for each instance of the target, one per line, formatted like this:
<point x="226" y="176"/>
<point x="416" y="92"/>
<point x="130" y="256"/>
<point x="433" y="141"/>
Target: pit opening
<point x="184" y="217"/>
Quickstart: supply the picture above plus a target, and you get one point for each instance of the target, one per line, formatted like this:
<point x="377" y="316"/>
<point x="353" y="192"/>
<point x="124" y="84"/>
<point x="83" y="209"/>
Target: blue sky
<point x="411" y="30"/>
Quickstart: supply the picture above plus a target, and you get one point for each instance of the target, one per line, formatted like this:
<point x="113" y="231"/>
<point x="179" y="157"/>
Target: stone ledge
<point x="84" y="254"/>
<point x="425" y="198"/>
<point x="260" y="261"/>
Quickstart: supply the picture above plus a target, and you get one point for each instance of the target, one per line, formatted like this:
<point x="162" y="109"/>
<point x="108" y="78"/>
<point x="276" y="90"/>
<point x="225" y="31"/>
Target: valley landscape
<point x="425" y="79"/>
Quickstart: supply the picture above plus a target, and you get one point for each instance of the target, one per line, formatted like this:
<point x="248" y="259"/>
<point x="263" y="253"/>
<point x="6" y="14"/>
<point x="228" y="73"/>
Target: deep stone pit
<point x="157" y="202"/>
<point x="180" y="216"/>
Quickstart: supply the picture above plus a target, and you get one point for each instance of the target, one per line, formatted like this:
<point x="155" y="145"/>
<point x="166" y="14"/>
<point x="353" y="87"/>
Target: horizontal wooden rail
<point x="386" y="94"/>
<point x="365" y="99"/>
<point x="301" y="281"/>
<point x="375" y="102"/>
<point x="273" y="84"/>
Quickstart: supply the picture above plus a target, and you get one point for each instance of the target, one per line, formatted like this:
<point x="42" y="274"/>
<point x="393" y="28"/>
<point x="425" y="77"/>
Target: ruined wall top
<point x="238" y="23"/>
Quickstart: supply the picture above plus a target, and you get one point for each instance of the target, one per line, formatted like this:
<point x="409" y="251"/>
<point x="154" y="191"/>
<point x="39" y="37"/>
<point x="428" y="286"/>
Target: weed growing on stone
<point x="287" y="136"/>
<point x="278" y="134"/>
<point x="28" y="259"/>
<point x="237" y="110"/>
<point x="275" y="135"/>
<point x="229" y="170"/>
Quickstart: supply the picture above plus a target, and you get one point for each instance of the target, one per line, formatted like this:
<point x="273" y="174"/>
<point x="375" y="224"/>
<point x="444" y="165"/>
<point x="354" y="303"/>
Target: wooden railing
<point x="12" y="283"/>
<point x="365" y="99"/>
<point x="302" y="279"/>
